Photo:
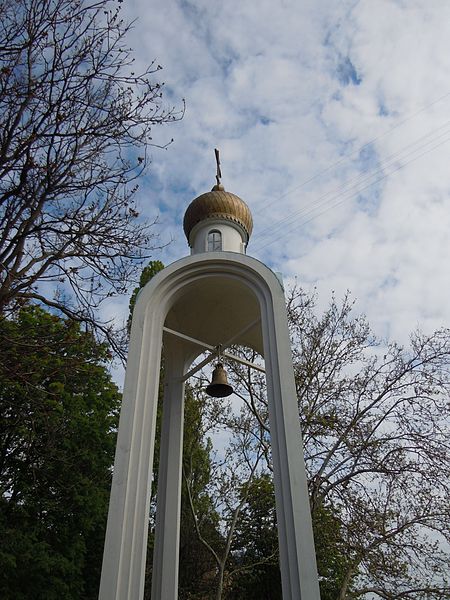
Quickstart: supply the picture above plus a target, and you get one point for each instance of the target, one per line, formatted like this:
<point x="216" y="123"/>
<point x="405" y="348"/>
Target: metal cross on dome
<point x="218" y="172"/>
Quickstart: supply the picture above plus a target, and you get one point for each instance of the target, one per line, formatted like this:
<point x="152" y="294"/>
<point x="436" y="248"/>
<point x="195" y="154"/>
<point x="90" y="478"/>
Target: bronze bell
<point x="219" y="386"/>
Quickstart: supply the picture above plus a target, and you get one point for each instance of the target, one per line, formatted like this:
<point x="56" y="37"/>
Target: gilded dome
<point x="218" y="204"/>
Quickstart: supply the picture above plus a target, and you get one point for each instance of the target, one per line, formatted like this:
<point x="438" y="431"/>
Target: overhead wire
<point x="354" y="153"/>
<point x="289" y="229"/>
<point x="355" y="182"/>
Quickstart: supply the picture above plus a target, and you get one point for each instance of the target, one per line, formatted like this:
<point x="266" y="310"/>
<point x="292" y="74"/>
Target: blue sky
<point x="333" y="123"/>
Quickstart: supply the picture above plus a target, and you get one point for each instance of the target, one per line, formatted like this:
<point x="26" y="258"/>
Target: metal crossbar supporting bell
<point x="219" y="386"/>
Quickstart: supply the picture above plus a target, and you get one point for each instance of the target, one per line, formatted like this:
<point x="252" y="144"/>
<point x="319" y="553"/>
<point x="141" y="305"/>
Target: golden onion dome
<point x="218" y="204"/>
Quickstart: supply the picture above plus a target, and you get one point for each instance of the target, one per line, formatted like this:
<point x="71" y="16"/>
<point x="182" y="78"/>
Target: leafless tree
<point x="375" y="423"/>
<point x="375" y="420"/>
<point x="75" y="126"/>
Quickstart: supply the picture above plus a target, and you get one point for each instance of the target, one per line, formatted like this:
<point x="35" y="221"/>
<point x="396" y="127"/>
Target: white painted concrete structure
<point x="232" y="239"/>
<point x="198" y="302"/>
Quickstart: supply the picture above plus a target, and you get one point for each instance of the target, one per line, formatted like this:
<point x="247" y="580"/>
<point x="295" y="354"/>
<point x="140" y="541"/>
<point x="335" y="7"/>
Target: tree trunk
<point x="220" y="581"/>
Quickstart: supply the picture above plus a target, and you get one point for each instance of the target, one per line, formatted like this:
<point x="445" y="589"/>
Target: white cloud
<point x="291" y="92"/>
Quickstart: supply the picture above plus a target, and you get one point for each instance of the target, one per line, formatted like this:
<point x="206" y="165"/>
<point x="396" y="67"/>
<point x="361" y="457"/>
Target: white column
<point x="296" y="542"/>
<point x="123" y="569"/>
<point x="167" y="534"/>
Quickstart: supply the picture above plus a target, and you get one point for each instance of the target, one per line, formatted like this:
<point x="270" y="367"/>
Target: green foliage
<point x="154" y="267"/>
<point x="196" y="564"/>
<point x="197" y="567"/>
<point x="332" y="553"/>
<point x="255" y="549"/>
<point x="58" y="415"/>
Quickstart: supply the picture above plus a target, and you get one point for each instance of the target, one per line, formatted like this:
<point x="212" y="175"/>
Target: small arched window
<point x="214" y="241"/>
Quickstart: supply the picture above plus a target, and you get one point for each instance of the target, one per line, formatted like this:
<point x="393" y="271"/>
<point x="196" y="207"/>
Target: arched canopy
<point x="215" y="309"/>
<point x="213" y="299"/>
<point x="217" y="298"/>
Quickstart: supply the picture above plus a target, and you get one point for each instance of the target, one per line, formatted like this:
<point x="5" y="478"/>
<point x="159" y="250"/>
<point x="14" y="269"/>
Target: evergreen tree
<point x="255" y="549"/>
<point x="58" y="416"/>
<point x="197" y="566"/>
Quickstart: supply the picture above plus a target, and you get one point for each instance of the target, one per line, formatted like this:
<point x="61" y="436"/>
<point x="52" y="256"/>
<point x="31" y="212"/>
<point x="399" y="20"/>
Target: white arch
<point x="126" y="538"/>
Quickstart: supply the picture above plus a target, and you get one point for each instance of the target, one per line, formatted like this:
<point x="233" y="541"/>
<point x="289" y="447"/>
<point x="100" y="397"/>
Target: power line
<point x="288" y="230"/>
<point x="354" y="183"/>
<point x="355" y="152"/>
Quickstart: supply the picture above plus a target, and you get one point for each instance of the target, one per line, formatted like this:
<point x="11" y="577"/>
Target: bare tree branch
<point x="75" y="124"/>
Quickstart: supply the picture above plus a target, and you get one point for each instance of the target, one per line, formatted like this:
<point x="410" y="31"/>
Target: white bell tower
<point x="216" y="297"/>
